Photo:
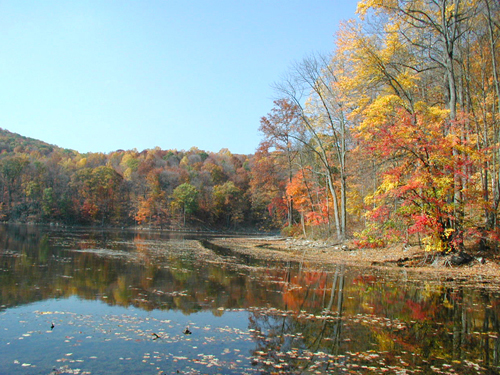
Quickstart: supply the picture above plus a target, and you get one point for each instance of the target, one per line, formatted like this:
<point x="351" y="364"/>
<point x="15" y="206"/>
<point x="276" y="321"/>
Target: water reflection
<point x="298" y="319"/>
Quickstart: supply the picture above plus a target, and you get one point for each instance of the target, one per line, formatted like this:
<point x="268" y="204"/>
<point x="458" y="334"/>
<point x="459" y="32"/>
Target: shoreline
<point x="483" y="272"/>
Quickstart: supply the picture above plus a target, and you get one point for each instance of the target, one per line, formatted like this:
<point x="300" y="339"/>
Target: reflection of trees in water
<point x="385" y="326"/>
<point x="299" y="340"/>
<point x="315" y="318"/>
<point x="458" y="325"/>
<point x="491" y="331"/>
<point x="138" y="270"/>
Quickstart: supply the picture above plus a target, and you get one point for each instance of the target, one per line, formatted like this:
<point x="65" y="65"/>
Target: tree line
<point x="41" y="183"/>
<point x="393" y="136"/>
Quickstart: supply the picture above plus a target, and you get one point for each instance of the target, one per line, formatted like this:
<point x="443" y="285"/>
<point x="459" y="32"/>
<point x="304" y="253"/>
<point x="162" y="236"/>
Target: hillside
<point x="13" y="142"/>
<point x="43" y="183"/>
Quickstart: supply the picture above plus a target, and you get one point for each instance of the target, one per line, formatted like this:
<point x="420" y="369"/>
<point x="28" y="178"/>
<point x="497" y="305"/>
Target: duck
<point x="187" y="331"/>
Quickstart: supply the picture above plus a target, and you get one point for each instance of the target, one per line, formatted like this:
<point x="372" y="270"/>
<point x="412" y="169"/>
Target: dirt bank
<point x="483" y="269"/>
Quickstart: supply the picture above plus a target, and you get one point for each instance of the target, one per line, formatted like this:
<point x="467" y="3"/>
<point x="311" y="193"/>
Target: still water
<point x="138" y="302"/>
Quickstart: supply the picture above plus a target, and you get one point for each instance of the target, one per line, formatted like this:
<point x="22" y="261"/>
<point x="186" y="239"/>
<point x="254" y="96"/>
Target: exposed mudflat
<point x="484" y="269"/>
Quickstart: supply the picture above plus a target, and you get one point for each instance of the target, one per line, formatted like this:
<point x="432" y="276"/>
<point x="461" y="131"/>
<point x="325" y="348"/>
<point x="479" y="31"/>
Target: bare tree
<point x="325" y="130"/>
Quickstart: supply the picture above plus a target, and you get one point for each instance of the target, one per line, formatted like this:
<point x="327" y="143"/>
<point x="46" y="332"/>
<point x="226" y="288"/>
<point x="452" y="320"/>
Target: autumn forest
<point x="392" y="137"/>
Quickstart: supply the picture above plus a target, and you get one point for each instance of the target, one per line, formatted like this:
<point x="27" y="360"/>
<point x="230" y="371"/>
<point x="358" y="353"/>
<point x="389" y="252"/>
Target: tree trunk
<point x="335" y="207"/>
<point x="302" y="222"/>
<point x="491" y="216"/>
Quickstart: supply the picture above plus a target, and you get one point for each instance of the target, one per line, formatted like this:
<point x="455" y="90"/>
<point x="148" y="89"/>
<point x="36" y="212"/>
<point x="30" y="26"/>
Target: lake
<point x="91" y="301"/>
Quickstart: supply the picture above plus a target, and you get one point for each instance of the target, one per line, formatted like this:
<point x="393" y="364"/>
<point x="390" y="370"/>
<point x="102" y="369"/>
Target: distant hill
<point x="44" y="183"/>
<point x="12" y="142"/>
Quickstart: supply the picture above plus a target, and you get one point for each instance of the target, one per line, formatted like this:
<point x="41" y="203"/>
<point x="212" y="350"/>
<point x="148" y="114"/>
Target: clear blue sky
<point x="97" y="76"/>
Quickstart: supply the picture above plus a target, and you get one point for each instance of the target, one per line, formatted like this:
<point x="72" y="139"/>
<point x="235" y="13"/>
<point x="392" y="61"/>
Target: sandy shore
<point x="483" y="269"/>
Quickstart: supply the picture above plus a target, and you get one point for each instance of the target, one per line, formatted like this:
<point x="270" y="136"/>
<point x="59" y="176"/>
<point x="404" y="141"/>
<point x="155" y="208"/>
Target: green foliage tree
<point x="185" y="200"/>
<point x="228" y="204"/>
<point x="11" y="168"/>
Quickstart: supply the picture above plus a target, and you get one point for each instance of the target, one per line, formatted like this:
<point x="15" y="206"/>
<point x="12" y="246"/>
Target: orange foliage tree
<point x="309" y="198"/>
<point x="423" y="154"/>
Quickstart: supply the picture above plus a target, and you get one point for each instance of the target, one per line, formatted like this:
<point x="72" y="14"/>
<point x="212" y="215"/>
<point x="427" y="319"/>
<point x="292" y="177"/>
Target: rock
<point x="345" y="248"/>
<point x="461" y="258"/>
